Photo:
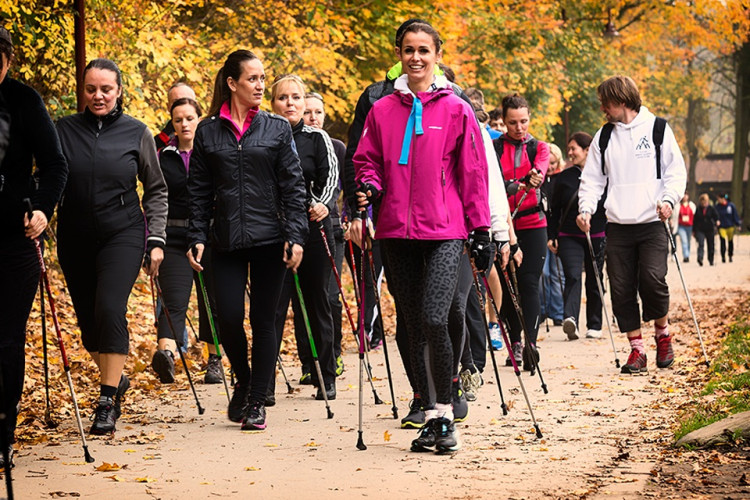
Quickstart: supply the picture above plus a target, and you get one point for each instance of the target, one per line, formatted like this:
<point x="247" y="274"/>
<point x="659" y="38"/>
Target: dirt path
<point x="592" y="421"/>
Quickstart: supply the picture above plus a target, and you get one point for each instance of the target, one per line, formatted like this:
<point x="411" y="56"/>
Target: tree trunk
<point x="742" y="129"/>
<point x="691" y="135"/>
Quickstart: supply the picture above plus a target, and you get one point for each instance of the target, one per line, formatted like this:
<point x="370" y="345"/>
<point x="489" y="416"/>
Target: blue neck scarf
<point x="414" y="124"/>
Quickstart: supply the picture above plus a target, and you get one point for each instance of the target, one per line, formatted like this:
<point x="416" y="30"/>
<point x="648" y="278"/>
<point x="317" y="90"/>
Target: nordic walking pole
<point x="515" y="212"/>
<point x="321" y="382"/>
<point x="213" y="327"/>
<point x="601" y="294"/>
<point x="47" y="415"/>
<point x="503" y="406"/>
<point x="378" y="401"/>
<point x="519" y="312"/>
<point x="355" y="282"/>
<point x="394" y="409"/>
<point x="63" y="354"/>
<point x="512" y="358"/>
<point x="281" y="367"/>
<point x="155" y="281"/>
<point x="363" y="217"/>
<point x="673" y="249"/>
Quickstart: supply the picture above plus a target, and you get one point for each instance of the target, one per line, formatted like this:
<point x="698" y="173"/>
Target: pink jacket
<point x="441" y="192"/>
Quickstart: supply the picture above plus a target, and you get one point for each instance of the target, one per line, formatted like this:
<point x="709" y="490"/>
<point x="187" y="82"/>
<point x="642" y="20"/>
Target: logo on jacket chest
<point x="643" y="149"/>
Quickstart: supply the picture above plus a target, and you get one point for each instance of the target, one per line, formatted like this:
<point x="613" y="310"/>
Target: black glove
<point x="482" y="250"/>
<point x="513" y="249"/>
<point x="500" y="244"/>
<point x="365" y="187"/>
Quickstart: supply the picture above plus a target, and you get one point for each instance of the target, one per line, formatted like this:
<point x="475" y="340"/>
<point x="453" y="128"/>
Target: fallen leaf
<point x="128" y="451"/>
<point x="252" y="468"/>
<point x="145" y="480"/>
<point x="107" y="467"/>
<point x="115" y="478"/>
<point x="312" y="444"/>
<point x="386" y="436"/>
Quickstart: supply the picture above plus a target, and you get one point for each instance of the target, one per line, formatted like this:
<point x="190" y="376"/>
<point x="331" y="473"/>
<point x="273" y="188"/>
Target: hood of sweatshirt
<point x="643" y="116"/>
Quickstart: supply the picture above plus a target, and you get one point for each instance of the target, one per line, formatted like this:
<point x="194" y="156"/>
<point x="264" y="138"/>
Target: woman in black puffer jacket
<point x="245" y="174"/>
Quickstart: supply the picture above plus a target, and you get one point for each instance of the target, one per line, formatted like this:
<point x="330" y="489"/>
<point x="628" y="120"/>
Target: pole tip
<point x="201" y="410"/>
<point x="361" y="443"/>
<point x="505" y="408"/>
<point x="289" y="389"/>
<point x="617" y="363"/>
<point x="378" y="401"/>
<point x="395" y="412"/>
<point x="538" y="432"/>
<point x="330" y="413"/>
<point x="87" y="455"/>
<point x="708" y="364"/>
<point x="544" y="388"/>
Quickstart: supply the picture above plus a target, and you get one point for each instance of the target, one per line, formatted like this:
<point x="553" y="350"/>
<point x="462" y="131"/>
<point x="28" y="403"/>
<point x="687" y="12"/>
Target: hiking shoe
<point x="496" y="336"/>
<point x="238" y="404"/>
<point x="530" y="364"/>
<point x="557" y="322"/>
<point x="339" y="366"/>
<point x="471" y="383"/>
<point x="446" y="435"/>
<point x="664" y="352"/>
<point x="460" y="405"/>
<point x="593" y="334"/>
<point x="104" y="417"/>
<point x="122" y="388"/>
<point x="255" y="420"/>
<point x="517" y="349"/>
<point x="426" y="439"/>
<point x="163" y="365"/>
<point x="306" y="378"/>
<point x="330" y="392"/>
<point x="415" y="418"/>
<point x="270" y="400"/>
<point x="213" y="370"/>
<point x="636" y="363"/>
<point x="570" y="329"/>
<point x="10" y="457"/>
<point x="376" y="343"/>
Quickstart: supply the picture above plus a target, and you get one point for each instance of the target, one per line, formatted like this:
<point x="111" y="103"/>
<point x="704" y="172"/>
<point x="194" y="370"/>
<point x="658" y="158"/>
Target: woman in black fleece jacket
<point x="27" y="135"/>
<point x="569" y="242"/>
<point x="101" y="227"/>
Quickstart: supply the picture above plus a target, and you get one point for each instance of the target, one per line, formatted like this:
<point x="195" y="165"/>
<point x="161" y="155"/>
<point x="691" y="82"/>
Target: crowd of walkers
<point x="246" y="203"/>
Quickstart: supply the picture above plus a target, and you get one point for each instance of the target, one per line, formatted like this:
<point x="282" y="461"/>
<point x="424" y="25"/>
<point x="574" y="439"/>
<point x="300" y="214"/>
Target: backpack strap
<point x="604" y="141"/>
<point x="660" y="124"/>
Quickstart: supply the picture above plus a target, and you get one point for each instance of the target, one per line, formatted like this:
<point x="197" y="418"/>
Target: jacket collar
<point x="103" y="120"/>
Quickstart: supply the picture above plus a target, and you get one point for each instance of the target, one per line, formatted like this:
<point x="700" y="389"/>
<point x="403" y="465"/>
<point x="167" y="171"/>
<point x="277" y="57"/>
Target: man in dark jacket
<point x="32" y="138"/>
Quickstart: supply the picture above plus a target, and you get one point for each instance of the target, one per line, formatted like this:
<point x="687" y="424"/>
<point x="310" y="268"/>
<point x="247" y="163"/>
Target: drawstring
<point x="414" y="122"/>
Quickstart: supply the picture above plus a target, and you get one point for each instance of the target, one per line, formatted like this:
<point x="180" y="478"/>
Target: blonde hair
<point x="554" y="150"/>
<point x="284" y="79"/>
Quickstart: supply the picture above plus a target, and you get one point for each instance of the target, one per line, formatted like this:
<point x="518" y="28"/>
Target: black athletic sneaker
<point x="516" y="347"/>
<point x="122" y="388"/>
<point x="105" y="417"/>
<point x="426" y="439"/>
<point x="415" y="418"/>
<point x="10" y="457"/>
<point x="238" y="404"/>
<point x="270" y="400"/>
<point x="255" y="420"/>
<point x="213" y="369"/>
<point x="330" y="392"/>
<point x="460" y="405"/>
<point x="163" y="365"/>
<point x="446" y="435"/>
<point x="530" y="350"/>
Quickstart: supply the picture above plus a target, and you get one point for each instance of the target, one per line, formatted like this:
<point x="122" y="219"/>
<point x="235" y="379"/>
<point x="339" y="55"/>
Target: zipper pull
<point x="442" y="173"/>
<point x="239" y="147"/>
<point x="122" y="201"/>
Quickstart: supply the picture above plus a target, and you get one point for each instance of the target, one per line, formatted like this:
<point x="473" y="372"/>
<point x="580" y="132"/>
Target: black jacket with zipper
<point x="105" y="157"/>
<point x="253" y="187"/>
<point x="176" y="176"/>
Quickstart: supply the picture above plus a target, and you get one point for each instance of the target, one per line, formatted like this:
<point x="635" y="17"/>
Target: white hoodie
<point x="630" y="166"/>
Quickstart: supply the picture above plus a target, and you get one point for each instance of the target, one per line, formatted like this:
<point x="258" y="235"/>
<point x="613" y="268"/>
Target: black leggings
<point x="100" y="274"/>
<point x="533" y="243"/>
<point x="457" y="326"/>
<point x="423" y="275"/>
<point x="19" y="280"/>
<point x="267" y="270"/>
<point x="176" y="279"/>
<point x="314" y="275"/>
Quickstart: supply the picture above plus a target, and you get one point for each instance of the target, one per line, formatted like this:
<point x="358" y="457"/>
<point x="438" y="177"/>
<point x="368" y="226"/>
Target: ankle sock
<point x="661" y="331"/>
<point x="444" y="410"/>
<point x="636" y="343"/>
<point x="429" y="414"/>
<point x="108" y="391"/>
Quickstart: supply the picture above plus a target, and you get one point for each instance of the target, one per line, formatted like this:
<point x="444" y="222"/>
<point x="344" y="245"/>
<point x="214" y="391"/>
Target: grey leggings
<point x="423" y="276"/>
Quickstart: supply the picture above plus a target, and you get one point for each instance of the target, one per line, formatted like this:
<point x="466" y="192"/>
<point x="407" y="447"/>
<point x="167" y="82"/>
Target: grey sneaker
<point x="570" y="328"/>
<point x="213" y="369"/>
<point x="517" y="349"/>
<point x="470" y="382"/>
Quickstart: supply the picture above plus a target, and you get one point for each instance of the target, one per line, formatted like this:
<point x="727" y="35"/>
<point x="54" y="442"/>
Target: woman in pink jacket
<point x="422" y="159"/>
<point x="524" y="162"/>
